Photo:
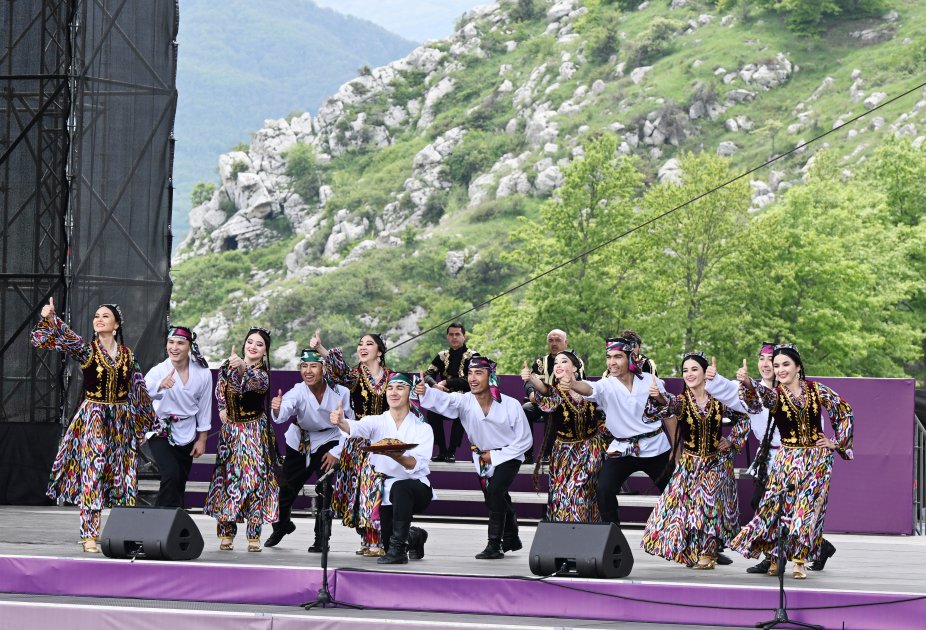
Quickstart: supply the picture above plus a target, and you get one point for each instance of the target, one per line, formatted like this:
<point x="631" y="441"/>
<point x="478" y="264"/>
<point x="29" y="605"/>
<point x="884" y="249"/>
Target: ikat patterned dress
<point x="800" y="462"/>
<point x="95" y="467"/>
<point x="244" y="485"/>
<point x="698" y="512"/>
<point x="358" y="488"/>
<point x="578" y="453"/>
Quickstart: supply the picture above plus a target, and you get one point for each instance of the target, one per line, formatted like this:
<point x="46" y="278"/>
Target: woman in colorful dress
<point x="579" y="445"/>
<point x="96" y="462"/>
<point x="805" y="459"/>
<point x="358" y="488"/>
<point x="244" y="486"/>
<point x="698" y="512"/>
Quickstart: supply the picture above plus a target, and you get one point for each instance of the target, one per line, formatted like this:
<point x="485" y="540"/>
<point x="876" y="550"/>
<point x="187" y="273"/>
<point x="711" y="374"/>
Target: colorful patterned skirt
<point x="574" y="468"/>
<point x="96" y="462"/>
<point x="697" y="511"/>
<point x="244" y="486"/>
<point x="804" y="509"/>
<point x="358" y="489"/>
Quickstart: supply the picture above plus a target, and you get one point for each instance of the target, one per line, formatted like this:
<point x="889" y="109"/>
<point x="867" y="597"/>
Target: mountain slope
<point x="390" y="209"/>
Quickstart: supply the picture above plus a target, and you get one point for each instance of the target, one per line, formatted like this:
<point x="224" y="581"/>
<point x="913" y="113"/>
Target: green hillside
<point x="540" y="129"/>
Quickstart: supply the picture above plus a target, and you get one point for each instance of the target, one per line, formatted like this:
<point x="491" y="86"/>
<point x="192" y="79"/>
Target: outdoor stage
<point x="873" y="582"/>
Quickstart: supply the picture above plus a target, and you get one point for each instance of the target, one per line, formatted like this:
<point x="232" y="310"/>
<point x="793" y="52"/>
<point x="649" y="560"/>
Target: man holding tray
<point x="401" y="453"/>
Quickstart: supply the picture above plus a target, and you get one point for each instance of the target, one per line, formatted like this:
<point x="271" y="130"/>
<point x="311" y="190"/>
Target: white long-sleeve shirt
<point x="413" y="430"/>
<point x="312" y="416"/>
<point x="623" y="412"/>
<point x="504" y="432"/>
<point x="727" y="392"/>
<point x="190" y="401"/>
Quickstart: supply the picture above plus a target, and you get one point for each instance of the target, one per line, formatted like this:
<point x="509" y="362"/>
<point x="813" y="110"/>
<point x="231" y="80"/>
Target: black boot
<point x="761" y="568"/>
<point x="510" y="539"/>
<point x="416" y="539"/>
<point x="493" y="550"/>
<point x="279" y="530"/>
<point x="398" y="544"/>
<point x="826" y="552"/>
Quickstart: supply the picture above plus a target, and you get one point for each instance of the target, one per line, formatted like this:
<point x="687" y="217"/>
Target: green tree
<point x="202" y="192"/>
<point x="302" y="167"/>
<point x="589" y="297"/>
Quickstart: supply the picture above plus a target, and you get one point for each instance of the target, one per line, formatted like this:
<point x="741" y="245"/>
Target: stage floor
<point x="895" y="564"/>
<point x="872" y="583"/>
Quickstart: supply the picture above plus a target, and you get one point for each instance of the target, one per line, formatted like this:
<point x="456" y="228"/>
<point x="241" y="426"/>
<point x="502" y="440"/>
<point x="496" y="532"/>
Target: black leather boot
<point x="510" y="539"/>
<point x="826" y="552"/>
<point x="279" y="530"/>
<point x="761" y="568"/>
<point x="398" y="544"/>
<point x="493" y="550"/>
<point x="416" y="539"/>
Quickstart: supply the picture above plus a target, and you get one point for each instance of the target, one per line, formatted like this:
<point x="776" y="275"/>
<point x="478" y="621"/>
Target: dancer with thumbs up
<point x="244" y="485"/>
<point x="181" y="388"/>
<point x="312" y="444"/>
<point x="95" y="466"/>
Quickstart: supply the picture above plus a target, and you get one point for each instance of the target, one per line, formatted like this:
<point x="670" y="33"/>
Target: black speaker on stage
<point x="152" y="533"/>
<point x="593" y="550"/>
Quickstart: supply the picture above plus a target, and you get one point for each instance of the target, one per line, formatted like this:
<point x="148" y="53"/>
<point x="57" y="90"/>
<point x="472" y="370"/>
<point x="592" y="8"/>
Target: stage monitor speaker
<point x="152" y="533"/>
<point x="592" y="550"/>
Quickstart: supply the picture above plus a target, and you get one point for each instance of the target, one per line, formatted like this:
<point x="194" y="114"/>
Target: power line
<point x="658" y="217"/>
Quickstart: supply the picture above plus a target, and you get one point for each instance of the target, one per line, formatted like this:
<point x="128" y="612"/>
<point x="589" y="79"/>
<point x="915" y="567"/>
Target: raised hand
<point x="168" y="381"/>
<point x="277" y="401"/>
<point x="526" y="372"/>
<point x="316" y="340"/>
<point x="234" y="361"/>
<point x="337" y="416"/>
<point x="654" y="390"/>
<point x="711" y="370"/>
<point x="742" y="374"/>
<point x="48" y="311"/>
<point x="419" y="386"/>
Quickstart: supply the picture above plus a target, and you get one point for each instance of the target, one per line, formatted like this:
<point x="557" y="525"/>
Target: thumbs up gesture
<point x="337" y="416"/>
<point x="711" y="370"/>
<point x="234" y="361"/>
<point x="419" y="386"/>
<point x="277" y="401"/>
<point x="742" y="374"/>
<point x="316" y="340"/>
<point x="526" y="372"/>
<point x="168" y="381"/>
<point x="654" y="389"/>
<point x="48" y="311"/>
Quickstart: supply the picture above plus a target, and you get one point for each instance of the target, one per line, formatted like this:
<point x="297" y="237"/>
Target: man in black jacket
<point x="447" y="373"/>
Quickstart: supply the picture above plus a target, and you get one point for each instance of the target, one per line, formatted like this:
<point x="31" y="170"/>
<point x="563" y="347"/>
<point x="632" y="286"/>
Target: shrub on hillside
<point x="656" y="41"/>
<point x="304" y="171"/>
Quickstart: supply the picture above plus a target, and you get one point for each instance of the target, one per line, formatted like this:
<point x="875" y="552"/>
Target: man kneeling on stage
<point x="404" y="470"/>
<point x="500" y="435"/>
<point x="312" y="444"/>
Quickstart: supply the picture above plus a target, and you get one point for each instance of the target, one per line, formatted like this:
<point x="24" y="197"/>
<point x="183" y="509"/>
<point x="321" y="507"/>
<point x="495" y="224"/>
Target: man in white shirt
<point x="406" y="487"/>
<point x="181" y="391"/>
<point x="637" y="445"/>
<point x="500" y="435"/>
<point x="312" y="444"/>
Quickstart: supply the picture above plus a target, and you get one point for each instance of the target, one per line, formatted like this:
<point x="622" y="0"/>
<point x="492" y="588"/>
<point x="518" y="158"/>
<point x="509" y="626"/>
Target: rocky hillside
<point x="388" y="210"/>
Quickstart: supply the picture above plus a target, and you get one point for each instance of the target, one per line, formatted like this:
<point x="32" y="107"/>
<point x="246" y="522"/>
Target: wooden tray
<point x="387" y="448"/>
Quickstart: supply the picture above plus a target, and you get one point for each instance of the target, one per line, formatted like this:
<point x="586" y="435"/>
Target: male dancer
<point x="727" y="392"/>
<point x="543" y="369"/>
<point x="637" y="445"/>
<point x="451" y="366"/>
<point x="312" y="443"/>
<point x="500" y="434"/>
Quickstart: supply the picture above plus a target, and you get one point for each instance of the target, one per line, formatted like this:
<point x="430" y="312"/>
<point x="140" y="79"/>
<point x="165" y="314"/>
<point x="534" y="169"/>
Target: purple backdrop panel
<point x="82" y="617"/>
<point x="624" y="600"/>
<point x="105" y="577"/>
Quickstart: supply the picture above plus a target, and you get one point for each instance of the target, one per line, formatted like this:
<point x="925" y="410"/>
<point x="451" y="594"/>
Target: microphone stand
<point x="324" y="599"/>
<point x="781" y="613"/>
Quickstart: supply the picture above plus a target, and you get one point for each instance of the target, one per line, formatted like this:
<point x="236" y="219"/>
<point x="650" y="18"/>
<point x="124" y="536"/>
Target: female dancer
<point x="96" y="462"/>
<point x="579" y="445"/>
<point x="182" y="393"/>
<point x="698" y="512"/>
<point x="805" y="459"/>
<point x="244" y="485"/>
<point x="358" y="489"/>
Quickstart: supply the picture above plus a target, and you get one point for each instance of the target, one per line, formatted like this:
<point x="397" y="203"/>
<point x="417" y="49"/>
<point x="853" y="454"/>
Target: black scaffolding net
<point x="87" y="102"/>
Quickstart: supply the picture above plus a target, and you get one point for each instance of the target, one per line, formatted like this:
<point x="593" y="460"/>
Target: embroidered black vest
<point x="105" y="382"/>
<point x="799" y="426"/>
